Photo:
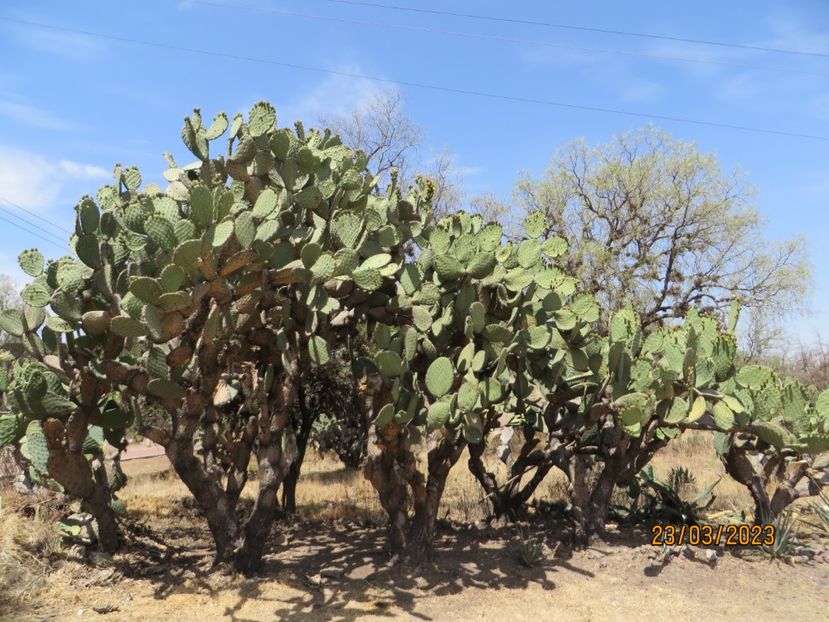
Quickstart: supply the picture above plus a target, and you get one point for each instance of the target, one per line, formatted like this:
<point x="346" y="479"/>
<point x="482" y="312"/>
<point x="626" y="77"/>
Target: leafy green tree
<point x="656" y="224"/>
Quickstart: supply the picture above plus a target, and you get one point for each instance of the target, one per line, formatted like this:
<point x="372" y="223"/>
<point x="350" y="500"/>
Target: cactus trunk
<point x="427" y="498"/>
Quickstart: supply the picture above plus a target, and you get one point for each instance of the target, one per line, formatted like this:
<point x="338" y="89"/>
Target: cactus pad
<point x="31" y="262"/>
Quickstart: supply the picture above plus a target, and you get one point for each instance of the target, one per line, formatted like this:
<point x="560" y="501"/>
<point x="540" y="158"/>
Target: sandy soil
<point x="334" y="570"/>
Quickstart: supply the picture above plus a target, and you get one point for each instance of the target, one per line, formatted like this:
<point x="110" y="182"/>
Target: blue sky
<point x="71" y="105"/>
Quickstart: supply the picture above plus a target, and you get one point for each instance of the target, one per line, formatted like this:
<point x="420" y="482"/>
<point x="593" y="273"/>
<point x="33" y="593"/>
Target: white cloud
<point x="87" y="171"/>
<point x="34" y="182"/>
<point x="31" y="115"/>
<point x="334" y="96"/>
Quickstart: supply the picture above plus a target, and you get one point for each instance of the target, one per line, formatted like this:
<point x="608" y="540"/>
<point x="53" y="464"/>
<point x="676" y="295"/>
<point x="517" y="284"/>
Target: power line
<point x="14" y="224"/>
<point x="624" y="33"/>
<point x="36" y="215"/>
<point x="511" y="40"/>
<point x="432" y="87"/>
<point x="32" y="224"/>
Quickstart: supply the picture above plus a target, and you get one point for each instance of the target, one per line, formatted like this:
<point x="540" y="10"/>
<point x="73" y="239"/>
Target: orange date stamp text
<point x="713" y="535"/>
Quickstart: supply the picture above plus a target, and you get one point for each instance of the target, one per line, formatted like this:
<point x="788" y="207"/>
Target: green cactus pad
<point x="318" y="350"/>
<point x="422" y="318"/>
<point x="384" y="416"/>
<point x="697" y="410"/>
<point x="37" y="448"/>
<point x="88" y="215"/>
<point x="201" y="206"/>
<point x="94" y="441"/>
<point x="132" y="178"/>
<point x="389" y="363"/>
<point x="481" y="265"/>
<point x="172" y="278"/>
<point x="497" y="333"/>
<point x="127" y="327"/>
<point x="245" y="229"/>
<point x="438" y="415"/>
<point x="220" y="234"/>
<point x="535" y="224"/>
<point x="448" y="268"/>
<point x="165" y="389"/>
<point x="440" y="376"/>
<point x="145" y="289"/>
<point x="184" y="230"/>
<point x="489" y="237"/>
<point x="36" y="294"/>
<point x="346" y="228"/>
<point x="491" y="391"/>
<point x="59" y="325"/>
<point x="771" y="433"/>
<point x="88" y="250"/>
<point x="161" y="232"/>
<point x="217" y="128"/>
<point x="585" y="308"/>
<point x="528" y="253"/>
<point x="723" y="415"/>
<point x="468" y="394"/>
<point x="66" y="305"/>
<point x="677" y="412"/>
<point x="554" y="247"/>
<point x="517" y="279"/>
<point x="538" y="337"/>
<point x="31" y="262"/>
<point x="440" y="241"/>
<point x="376" y="262"/>
<point x="754" y="376"/>
<point x="324" y="267"/>
<point x="9" y="430"/>
<point x="367" y="279"/>
<point x="95" y="322"/>
<point x="132" y="305"/>
<point x="261" y="119"/>
<point x="187" y="255"/>
<point x="409" y="344"/>
<point x="347" y="261"/>
<point x="71" y="276"/>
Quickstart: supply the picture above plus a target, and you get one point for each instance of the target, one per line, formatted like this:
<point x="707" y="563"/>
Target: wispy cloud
<point x="34" y="116"/>
<point x="69" y="45"/>
<point x="336" y="95"/>
<point x="34" y="182"/>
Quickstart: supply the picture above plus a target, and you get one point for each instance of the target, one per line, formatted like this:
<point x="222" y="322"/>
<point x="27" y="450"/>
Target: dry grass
<point x="28" y="542"/>
<point x="329" y="491"/>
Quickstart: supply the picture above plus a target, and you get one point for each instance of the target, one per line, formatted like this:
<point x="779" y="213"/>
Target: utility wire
<point x="33" y="225"/>
<point x="36" y="215"/>
<point x="14" y="224"/>
<point x="422" y="85"/>
<point x="510" y="40"/>
<point x="624" y="33"/>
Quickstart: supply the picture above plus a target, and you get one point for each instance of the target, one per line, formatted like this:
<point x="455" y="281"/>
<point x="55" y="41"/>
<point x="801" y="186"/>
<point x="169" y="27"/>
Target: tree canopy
<point x="655" y="223"/>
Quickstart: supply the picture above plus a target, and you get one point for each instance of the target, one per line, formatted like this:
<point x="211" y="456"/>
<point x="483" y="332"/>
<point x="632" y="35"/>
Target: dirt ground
<point x="330" y="566"/>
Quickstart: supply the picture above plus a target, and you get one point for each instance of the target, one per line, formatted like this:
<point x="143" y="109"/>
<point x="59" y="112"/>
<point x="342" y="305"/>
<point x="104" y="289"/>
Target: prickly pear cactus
<point x="480" y="316"/>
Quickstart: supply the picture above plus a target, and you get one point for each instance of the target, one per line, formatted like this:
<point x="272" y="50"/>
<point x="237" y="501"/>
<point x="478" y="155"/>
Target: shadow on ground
<point x="338" y="571"/>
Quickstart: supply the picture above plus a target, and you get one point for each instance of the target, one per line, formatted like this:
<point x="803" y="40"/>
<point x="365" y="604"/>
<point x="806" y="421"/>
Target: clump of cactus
<point x="209" y="301"/>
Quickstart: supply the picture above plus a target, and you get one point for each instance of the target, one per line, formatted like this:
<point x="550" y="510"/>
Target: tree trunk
<point x="427" y="498"/>
<point x="273" y="465"/>
<point x="385" y="474"/>
<point x="738" y="465"/>
<point x="303" y="434"/>
<point x="68" y="466"/>
<point x="215" y="504"/>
